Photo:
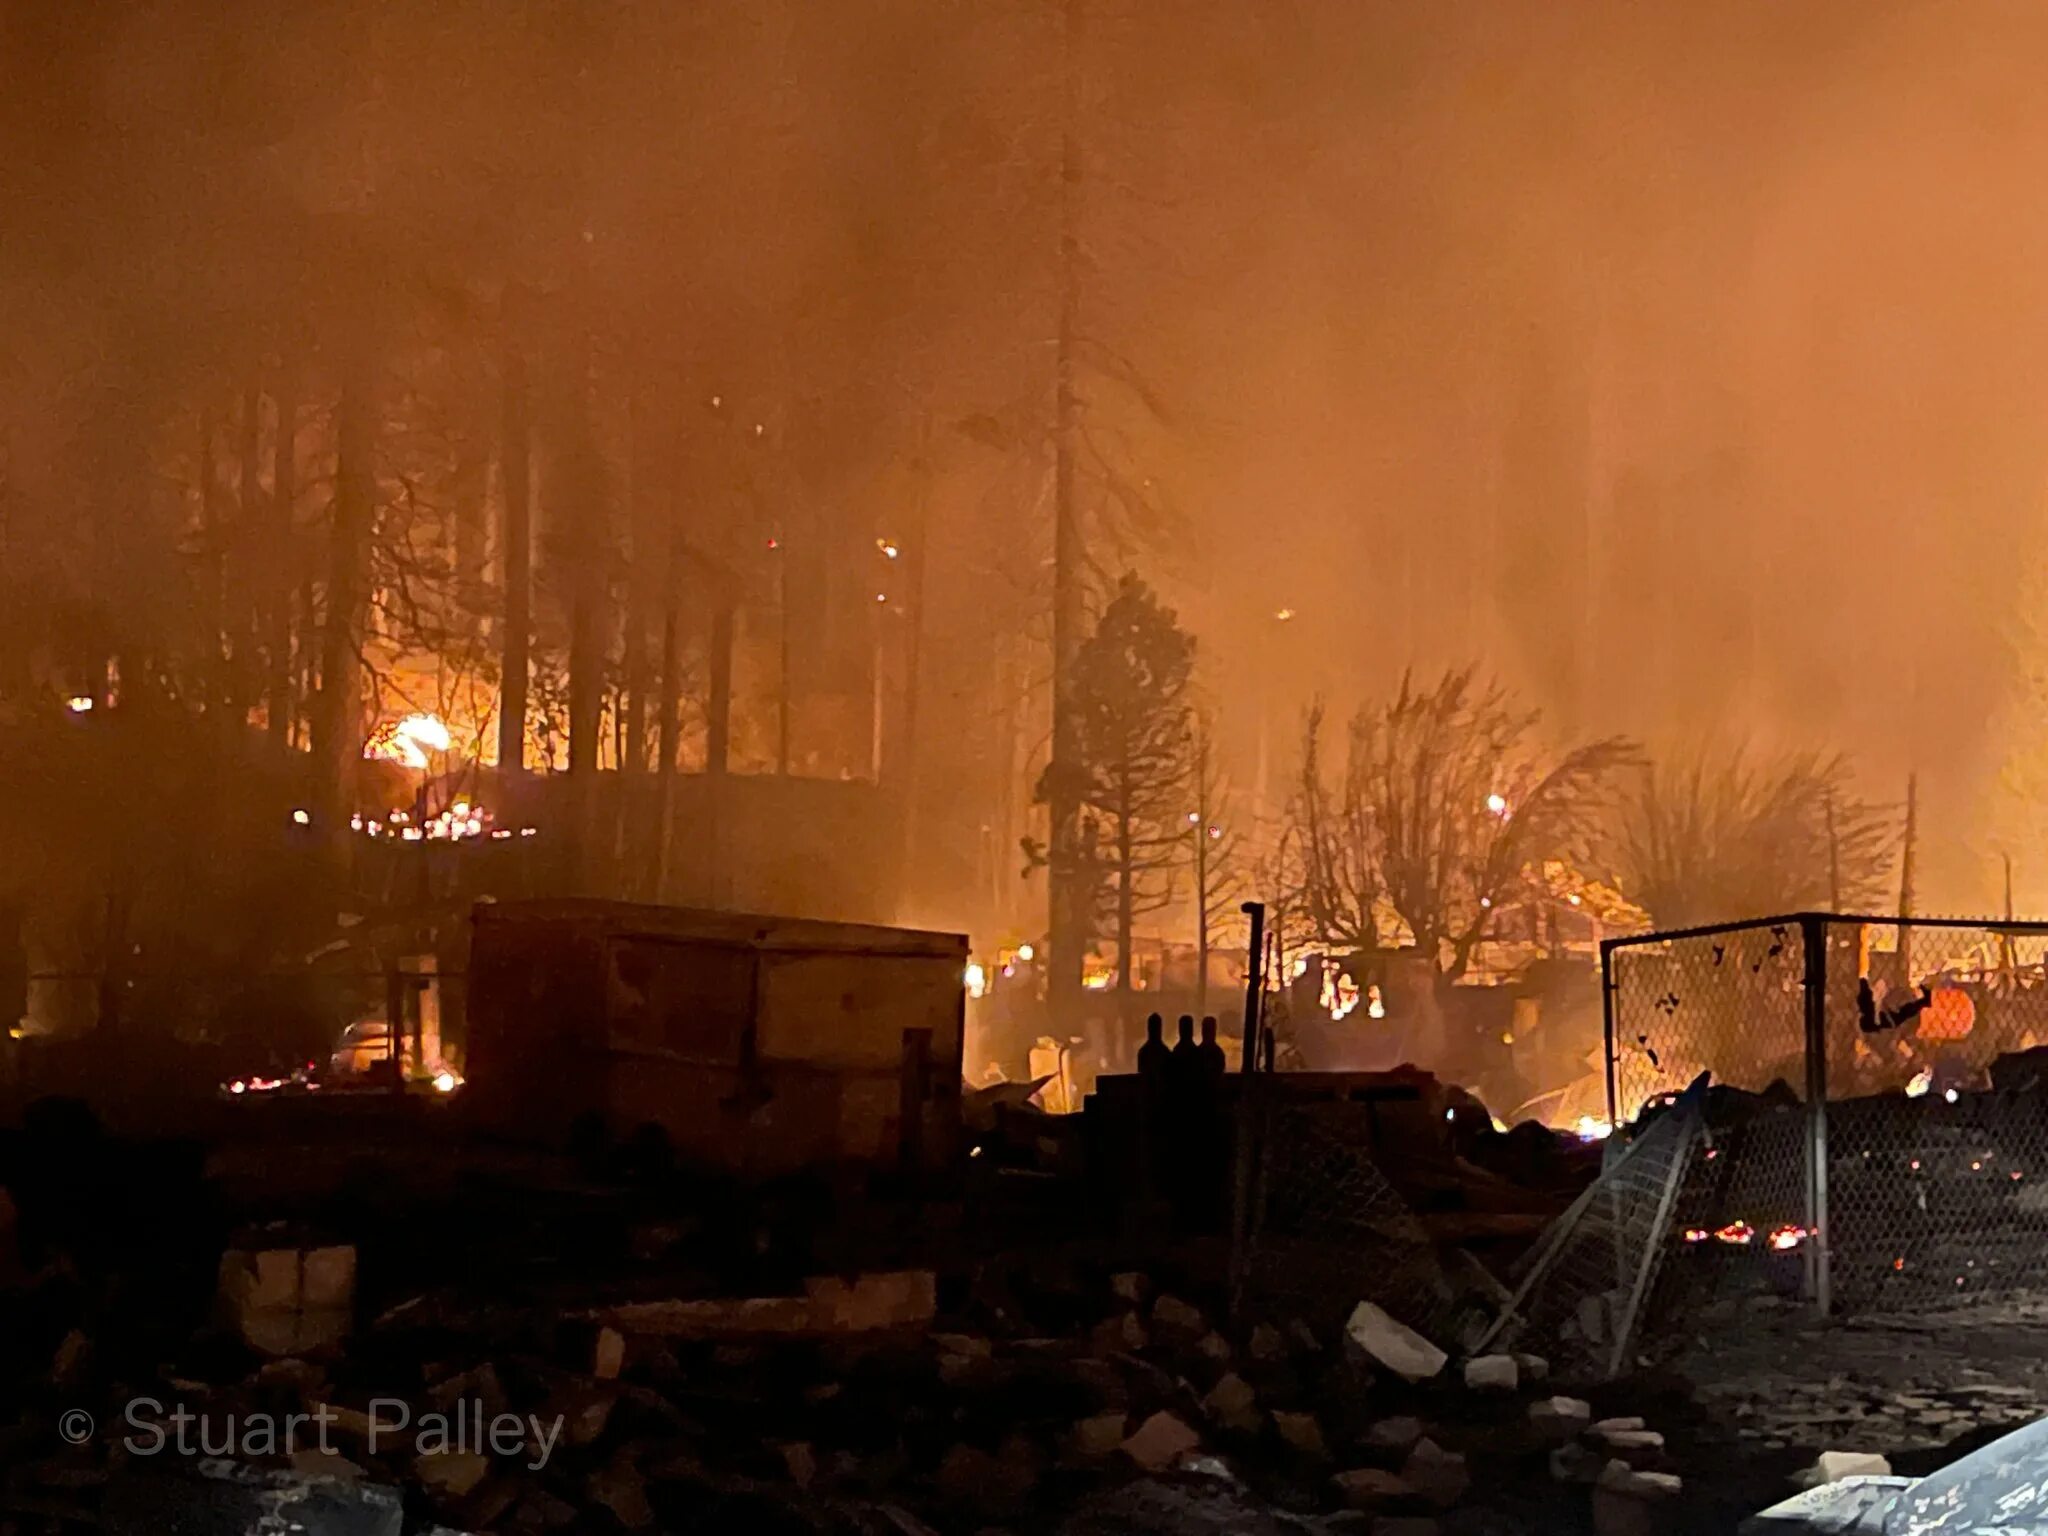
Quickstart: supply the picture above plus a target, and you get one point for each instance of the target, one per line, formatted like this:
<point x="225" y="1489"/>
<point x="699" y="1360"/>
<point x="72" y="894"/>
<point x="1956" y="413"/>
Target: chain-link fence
<point x="1325" y="1227"/>
<point x="1583" y="1289"/>
<point x="1879" y="1138"/>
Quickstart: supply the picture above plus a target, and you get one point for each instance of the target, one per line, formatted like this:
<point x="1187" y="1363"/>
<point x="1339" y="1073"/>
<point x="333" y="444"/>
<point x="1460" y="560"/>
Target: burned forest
<point x="1108" y="767"/>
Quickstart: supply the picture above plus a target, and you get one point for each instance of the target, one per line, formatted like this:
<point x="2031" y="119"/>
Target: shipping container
<point x="759" y="1044"/>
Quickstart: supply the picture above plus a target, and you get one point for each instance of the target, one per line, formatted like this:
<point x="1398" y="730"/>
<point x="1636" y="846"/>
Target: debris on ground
<point x="1371" y="1335"/>
<point x="1834" y="1466"/>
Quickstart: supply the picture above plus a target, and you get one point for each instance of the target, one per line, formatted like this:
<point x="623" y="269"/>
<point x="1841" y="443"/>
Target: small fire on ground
<point x="1740" y="1234"/>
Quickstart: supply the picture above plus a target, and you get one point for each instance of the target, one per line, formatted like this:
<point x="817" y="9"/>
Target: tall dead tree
<point x="515" y="451"/>
<point x="335" y="719"/>
<point x="250" y="542"/>
<point x="212" y="567"/>
<point x="280" y="557"/>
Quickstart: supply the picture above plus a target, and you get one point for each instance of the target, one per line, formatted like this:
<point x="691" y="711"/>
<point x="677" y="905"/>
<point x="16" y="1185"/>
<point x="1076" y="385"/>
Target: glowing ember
<point x="460" y="821"/>
<point x="1922" y="1081"/>
<point x="1740" y="1234"/>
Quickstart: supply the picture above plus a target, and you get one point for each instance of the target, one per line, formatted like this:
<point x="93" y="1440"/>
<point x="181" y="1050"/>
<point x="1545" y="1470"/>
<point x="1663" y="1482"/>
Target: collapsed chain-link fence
<point x="1879" y="1126"/>
<point x="1583" y="1289"/>
<point x="1326" y="1228"/>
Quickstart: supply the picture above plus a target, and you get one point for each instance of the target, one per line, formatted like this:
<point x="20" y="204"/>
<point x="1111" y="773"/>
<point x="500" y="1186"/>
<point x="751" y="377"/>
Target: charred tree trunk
<point x="718" y="747"/>
<point x="248" y="586"/>
<point x="516" y="466"/>
<point x="578" y="518"/>
<point x="668" y="727"/>
<point x="279" y="567"/>
<point x="909" y="786"/>
<point x="643" y="572"/>
<point x="718" y="728"/>
<point x="212" y="667"/>
<point x="666" y="745"/>
<point x="335" y="720"/>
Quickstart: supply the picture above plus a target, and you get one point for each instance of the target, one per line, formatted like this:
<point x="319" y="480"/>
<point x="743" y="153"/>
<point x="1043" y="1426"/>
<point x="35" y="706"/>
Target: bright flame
<point x="1375" y="1005"/>
<point x="976" y="978"/>
<point x="1025" y="951"/>
<point x="1339" y="995"/>
<point x="1283" y="614"/>
<point x="1592" y="1128"/>
<point x="446" y="1081"/>
<point x="888" y="549"/>
<point x="428" y="731"/>
<point x="1922" y="1081"/>
<point x="1497" y="804"/>
<point x="79" y="704"/>
<point x="302" y="818"/>
<point x="407" y="742"/>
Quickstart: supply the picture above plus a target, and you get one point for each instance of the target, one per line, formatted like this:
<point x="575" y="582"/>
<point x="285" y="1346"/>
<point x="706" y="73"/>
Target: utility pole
<point x="1906" y="879"/>
<point x="1834" y="854"/>
<point x="1202" y="908"/>
<point x="2006" y="959"/>
<point x="1064" y="926"/>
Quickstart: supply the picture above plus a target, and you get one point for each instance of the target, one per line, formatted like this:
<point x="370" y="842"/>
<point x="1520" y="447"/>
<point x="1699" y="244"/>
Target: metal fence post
<point x="1249" y="1119"/>
<point x="1813" y="936"/>
<point x="1607" y="1029"/>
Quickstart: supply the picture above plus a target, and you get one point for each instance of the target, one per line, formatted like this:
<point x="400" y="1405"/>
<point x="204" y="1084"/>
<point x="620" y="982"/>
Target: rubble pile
<point x="859" y="1407"/>
<point x="1838" y="1410"/>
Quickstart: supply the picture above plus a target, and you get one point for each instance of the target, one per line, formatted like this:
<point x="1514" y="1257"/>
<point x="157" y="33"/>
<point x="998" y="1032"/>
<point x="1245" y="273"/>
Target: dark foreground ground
<point x="1063" y="1381"/>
